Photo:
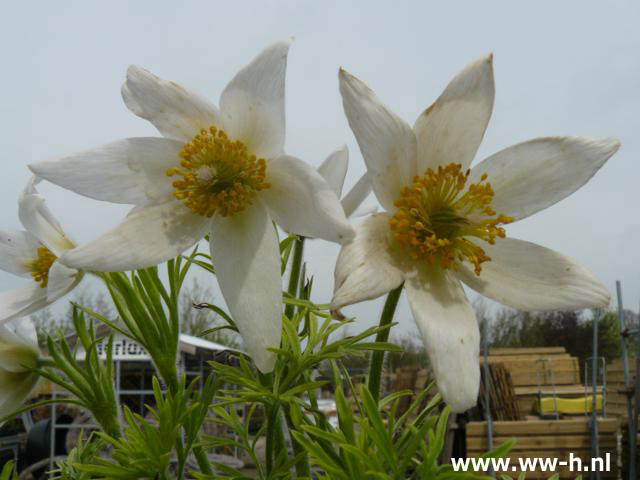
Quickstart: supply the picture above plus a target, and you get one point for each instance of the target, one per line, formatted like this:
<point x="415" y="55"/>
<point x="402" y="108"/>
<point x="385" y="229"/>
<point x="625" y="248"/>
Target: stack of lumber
<point x="537" y="370"/>
<point x="423" y="379"/>
<point x="533" y="366"/>
<point x="547" y="439"/>
<point x="405" y="379"/>
<point x="504" y="405"/>
<point x="410" y="378"/>
<point x="617" y="405"/>
<point x="616" y="398"/>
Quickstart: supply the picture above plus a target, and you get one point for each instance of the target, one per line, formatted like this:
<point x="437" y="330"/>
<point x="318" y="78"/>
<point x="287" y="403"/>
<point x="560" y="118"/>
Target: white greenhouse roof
<point x="189" y="343"/>
<point x="125" y="348"/>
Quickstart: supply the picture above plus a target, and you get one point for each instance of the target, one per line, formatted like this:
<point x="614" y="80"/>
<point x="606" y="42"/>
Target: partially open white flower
<point x="34" y="254"/>
<point x="218" y="171"/>
<point x="334" y="170"/>
<point x="443" y="223"/>
<point x="19" y="353"/>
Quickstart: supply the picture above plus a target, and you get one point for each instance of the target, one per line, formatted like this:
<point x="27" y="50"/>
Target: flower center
<point x="41" y="265"/>
<point x="218" y="175"/>
<point x="438" y="218"/>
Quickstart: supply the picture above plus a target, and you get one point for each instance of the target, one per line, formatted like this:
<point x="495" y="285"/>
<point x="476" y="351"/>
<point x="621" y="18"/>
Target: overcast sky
<point x="561" y="67"/>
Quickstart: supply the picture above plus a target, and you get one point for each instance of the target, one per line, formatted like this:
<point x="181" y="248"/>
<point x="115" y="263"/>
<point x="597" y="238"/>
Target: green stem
<point x="203" y="460"/>
<point x="302" y="466"/>
<point x="377" y="359"/>
<point x="108" y="420"/>
<point x="294" y="275"/>
<point x="275" y="438"/>
<point x="198" y="451"/>
<point x="47" y="362"/>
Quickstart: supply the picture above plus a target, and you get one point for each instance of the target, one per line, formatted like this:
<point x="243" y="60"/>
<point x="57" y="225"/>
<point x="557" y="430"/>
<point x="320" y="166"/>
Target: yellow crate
<point x="569" y="406"/>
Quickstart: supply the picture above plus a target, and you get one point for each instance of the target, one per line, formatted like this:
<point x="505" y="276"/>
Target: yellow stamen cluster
<point x="218" y="174"/>
<point x="41" y="265"/>
<point x="437" y="217"/>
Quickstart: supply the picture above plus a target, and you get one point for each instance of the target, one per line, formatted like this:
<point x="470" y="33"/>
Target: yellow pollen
<point x="41" y="265"/>
<point x="437" y="218"/>
<point x="218" y="175"/>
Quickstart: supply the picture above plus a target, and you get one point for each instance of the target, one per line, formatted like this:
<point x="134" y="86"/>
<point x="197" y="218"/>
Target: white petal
<point x="26" y="330"/>
<point x="357" y="195"/>
<point x="450" y="130"/>
<point x="131" y="171"/>
<point x="534" y="175"/>
<point x="387" y="143"/>
<point x="37" y="219"/>
<point x="146" y="237"/>
<point x="17" y="356"/>
<point x="20" y="332"/>
<point x="175" y="111"/>
<point x="245" y="254"/>
<point x="302" y="202"/>
<point x="62" y="280"/>
<point x="19" y="349"/>
<point x="18" y="249"/>
<point x="366" y="210"/>
<point x="22" y="301"/>
<point x="252" y="104"/>
<point x="334" y="169"/>
<point x="527" y="276"/>
<point x="366" y="267"/>
<point x="450" y="334"/>
<point x="15" y="388"/>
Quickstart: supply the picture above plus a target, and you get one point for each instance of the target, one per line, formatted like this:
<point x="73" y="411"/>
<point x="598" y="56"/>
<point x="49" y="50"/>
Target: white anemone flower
<point x="334" y="170"/>
<point x="34" y="254"/>
<point x="221" y="172"/>
<point x="443" y="222"/>
<point x="19" y="353"/>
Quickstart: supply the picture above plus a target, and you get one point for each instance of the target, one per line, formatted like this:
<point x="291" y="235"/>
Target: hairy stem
<point x="294" y="275"/>
<point x="377" y="359"/>
<point x="302" y="465"/>
<point x="172" y="382"/>
<point x="108" y="420"/>
<point x="275" y="438"/>
<point x="203" y="461"/>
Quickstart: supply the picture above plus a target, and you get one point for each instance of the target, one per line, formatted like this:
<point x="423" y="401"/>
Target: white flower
<point x="218" y="171"/>
<point x="19" y="353"/>
<point x="34" y="254"/>
<point x="443" y="223"/>
<point x="334" y="170"/>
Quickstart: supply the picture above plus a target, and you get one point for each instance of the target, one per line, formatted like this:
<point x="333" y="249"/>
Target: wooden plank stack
<point x="405" y="379"/>
<point x="547" y="439"/>
<point x="531" y="368"/>
<point x="617" y="405"/>
<point x="616" y="398"/>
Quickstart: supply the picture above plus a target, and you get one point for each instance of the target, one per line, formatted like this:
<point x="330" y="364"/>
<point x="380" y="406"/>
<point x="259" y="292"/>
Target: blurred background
<point x="568" y="67"/>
